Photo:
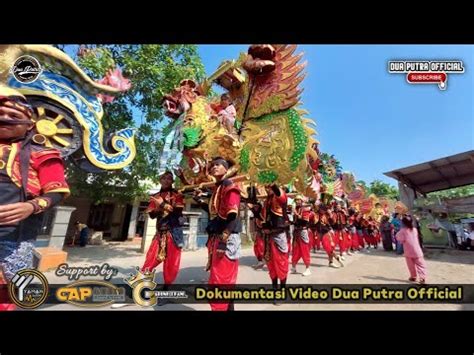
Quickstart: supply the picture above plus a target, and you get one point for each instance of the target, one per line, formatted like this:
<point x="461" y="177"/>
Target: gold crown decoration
<point x="140" y="276"/>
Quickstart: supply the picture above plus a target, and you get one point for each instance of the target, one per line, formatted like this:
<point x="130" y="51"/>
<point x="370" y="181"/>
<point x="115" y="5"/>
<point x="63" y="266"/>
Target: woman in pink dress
<point x="408" y="237"/>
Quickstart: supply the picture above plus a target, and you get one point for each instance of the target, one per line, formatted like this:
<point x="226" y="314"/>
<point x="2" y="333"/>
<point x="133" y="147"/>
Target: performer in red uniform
<point x="346" y="232"/>
<point x="338" y="223"/>
<point x="224" y="230"/>
<point x="360" y="230"/>
<point x="329" y="239"/>
<point x="301" y="236"/>
<point x="31" y="181"/>
<point x="275" y="227"/>
<point x="259" y="244"/>
<point x="313" y="229"/>
<point x="365" y="231"/>
<point x="372" y="232"/>
<point x="167" y="207"/>
<point x="353" y="230"/>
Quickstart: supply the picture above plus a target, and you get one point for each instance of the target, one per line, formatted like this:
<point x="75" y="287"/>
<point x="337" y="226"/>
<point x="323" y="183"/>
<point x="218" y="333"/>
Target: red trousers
<point x="328" y="245"/>
<point x="300" y="250"/>
<point x="172" y="259"/>
<point x="367" y="239"/>
<point x="371" y="240"/>
<point x="347" y="240"/>
<point x="354" y="241"/>
<point x="278" y="263"/>
<point x="314" y="239"/>
<point x="223" y="273"/>
<point x="259" y="246"/>
<point x="340" y="241"/>
<point x="361" y="240"/>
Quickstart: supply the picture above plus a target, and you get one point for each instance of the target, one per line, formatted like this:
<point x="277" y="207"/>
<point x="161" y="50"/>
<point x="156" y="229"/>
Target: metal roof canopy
<point x="440" y="174"/>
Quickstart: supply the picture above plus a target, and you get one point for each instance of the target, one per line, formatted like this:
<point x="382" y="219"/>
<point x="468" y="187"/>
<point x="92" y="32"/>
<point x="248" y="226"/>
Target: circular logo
<point x="26" y="294"/>
<point x="26" y="69"/>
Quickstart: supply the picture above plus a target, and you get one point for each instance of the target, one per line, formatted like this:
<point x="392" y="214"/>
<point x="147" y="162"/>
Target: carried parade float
<point x="271" y="141"/>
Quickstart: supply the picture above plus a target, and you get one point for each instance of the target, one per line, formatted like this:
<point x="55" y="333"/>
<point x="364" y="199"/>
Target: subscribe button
<point x="426" y="78"/>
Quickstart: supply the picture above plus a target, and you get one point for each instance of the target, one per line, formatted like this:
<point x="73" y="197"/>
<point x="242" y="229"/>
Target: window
<point x="100" y="216"/>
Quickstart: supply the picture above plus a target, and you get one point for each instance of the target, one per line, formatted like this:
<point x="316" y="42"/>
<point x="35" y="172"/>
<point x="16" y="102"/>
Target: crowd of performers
<point x="336" y="228"/>
<point x="284" y="235"/>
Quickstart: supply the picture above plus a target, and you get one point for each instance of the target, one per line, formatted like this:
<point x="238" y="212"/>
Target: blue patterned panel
<point x="88" y="111"/>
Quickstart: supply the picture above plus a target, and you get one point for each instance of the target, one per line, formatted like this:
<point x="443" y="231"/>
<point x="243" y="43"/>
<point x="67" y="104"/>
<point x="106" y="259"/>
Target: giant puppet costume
<point x="44" y="121"/>
<point x="167" y="207"/>
<point x="273" y="142"/>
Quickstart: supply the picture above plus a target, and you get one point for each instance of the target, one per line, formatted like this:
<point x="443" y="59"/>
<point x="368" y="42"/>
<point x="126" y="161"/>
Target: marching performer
<point x="313" y="228"/>
<point x="353" y="230"/>
<point x="32" y="180"/>
<point x="224" y="230"/>
<point x="275" y="227"/>
<point x="338" y="223"/>
<point x="372" y="232"/>
<point x="329" y="239"/>
<point x="359" y="229"/>
<point x="259" y="244"/>
<point x="301" y="246"/>
<point x="167" y="207"/>
<point x="365" y="231"/>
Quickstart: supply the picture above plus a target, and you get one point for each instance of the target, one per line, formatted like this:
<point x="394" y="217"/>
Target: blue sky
<point x="374" y="121"/>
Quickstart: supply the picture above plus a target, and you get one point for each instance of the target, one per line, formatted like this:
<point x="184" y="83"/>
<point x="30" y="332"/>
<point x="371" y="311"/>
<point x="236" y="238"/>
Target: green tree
<point x="453" y="193"/>
<point x="380" y="188"/>
<point x="153" y="70"/>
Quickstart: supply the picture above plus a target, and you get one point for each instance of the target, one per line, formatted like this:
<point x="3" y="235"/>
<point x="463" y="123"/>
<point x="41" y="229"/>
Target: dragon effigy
<point x="270" y="140"/>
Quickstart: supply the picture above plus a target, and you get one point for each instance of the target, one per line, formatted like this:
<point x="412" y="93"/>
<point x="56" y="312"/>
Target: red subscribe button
<point x="426" y="78"/>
